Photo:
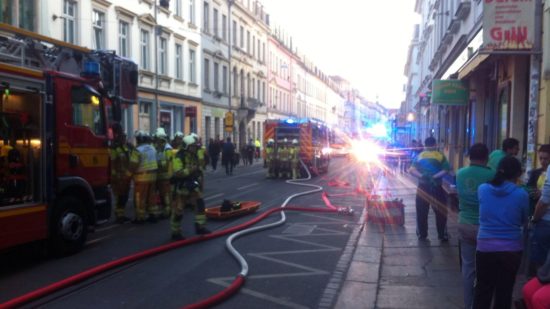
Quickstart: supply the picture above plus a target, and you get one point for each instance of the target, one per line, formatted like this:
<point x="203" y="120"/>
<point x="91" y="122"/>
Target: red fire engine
<point x="57" y="105"/>
<point x="312" y="135"/>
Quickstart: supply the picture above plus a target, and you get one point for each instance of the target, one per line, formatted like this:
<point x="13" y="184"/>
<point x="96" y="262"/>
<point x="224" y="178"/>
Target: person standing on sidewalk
<point x="503" y="211"/>
<point x="429" y="167"/>
<point x="510" y="147"/>
<point x="468" y="180"/>
<point x="214" y="150"/>
<point x="228" y="153"/>
<point x="540" y="241"/>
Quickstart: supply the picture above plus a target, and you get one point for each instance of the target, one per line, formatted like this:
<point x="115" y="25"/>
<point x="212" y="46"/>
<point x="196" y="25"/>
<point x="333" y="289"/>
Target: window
<point x="248" y="41"/>
<point x="224" y="27"/>
<point x="224" y="79"/>
<point x="206" y="22"/>
<point x="87" y="109"/>
<point x="259" y="86"/>
<point x="253" y="46"/>
<point x="192" y="72"/>
<point x="98" y="22"/>
<point x="242" y="37"/>
<point x="215" y="21"/>
<point x="162" y="58"/>
<point x="69" y="21"/>
<point x="192" y="11"/>
<point x="179" y="70"/>
<point x="258" y="56"/>
<point x="144" y="116"/>
<point x="144" y="47"/>
<point x="177" y="8"/>
<point x="206" y="74"/>
<point x="263" y="52"/>
<point x="21" y="13"/>
<point x="216" y="76"/>
<point x="234" y="33"/>
<point x="123" y="39"/>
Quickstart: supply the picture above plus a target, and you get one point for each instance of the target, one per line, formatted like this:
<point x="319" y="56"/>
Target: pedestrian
<point x="503" y="208"/>
<point x="510" y="147"/>
<point x="468" y="180"/>
<point x="429" y="167"/>
<point x="540" y="239"/>
<point x="228" y="153"/>
<point x="214" y="150"/>
<point x="145" y="179"/>
<point x="250" y="152"/>
<point x="164" y="174"/>
<point x="122" y="155"/>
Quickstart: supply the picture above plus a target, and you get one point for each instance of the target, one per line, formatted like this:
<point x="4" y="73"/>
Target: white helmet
<point x="295" y="142"/>
<point x="271" y="141"/>
<point x="189" y="140"/>
<point x="195" y="136"/>
<point x="179" y="134"/>
<point x="285" y="140"/>
<point x="160" y="133"/>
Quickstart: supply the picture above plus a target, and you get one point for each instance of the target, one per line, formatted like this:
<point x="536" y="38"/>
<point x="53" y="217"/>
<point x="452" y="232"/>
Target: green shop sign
<point x="449" y="92"/>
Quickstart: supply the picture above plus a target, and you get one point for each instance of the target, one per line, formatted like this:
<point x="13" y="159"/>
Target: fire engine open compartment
<point x="313" y="138"/>
<point x="20" y="144"/>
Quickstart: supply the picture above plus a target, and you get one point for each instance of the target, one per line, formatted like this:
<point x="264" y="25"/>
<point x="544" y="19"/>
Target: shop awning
<point x="471" y="65"/>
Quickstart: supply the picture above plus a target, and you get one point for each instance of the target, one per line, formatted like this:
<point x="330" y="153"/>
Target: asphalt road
<point x="290" y="265"/>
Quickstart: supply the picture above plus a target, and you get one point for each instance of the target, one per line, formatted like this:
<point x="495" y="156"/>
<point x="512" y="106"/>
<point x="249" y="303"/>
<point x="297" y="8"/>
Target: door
<point x="82" y="136"/>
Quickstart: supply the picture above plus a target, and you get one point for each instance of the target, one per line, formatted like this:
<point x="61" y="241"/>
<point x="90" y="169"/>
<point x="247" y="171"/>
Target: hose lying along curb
<point x="234" y="287"/>
<point x="239" y="280"/>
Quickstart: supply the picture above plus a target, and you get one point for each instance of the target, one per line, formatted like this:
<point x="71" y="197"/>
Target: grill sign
<point x="508" y="24"/>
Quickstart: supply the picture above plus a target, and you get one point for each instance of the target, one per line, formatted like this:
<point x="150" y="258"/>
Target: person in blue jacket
<point x="503" y="212"/>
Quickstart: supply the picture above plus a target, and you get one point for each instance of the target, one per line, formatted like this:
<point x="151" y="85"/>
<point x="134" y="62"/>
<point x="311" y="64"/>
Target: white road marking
<point x="248" y="186"/>
<point x="211" y="197"/>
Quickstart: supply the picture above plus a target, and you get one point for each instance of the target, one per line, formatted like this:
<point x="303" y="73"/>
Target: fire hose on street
<point x="236" y="231"/>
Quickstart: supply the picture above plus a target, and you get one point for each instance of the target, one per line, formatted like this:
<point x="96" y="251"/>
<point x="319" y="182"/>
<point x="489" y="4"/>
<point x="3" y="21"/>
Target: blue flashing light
<point x="290" y="121"/>
<point x="91" y="68"/>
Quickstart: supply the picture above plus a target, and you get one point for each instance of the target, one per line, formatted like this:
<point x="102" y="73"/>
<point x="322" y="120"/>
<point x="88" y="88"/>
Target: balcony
<point x="454" y="26"/>
<point x="463" y="9"/>
<point x="248" y="108"/>
<point x="447" y="38"/>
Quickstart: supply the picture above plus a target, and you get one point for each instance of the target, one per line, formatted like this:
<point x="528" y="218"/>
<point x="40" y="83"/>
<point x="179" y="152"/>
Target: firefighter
<point x="295" y="158"/>
<point x="164" y="173"/>
<point x="202" y="155"/>
<point x="283" y="158"/>
<point x="270" y="158"/>
<point x="145" y="179"/>
<point x="124" y="157"/>
<point x="177" y="141"/>
<point x="186" y="188"/>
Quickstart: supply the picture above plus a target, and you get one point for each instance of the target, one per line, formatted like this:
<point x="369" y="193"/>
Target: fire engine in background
<point x="312" y="135"/>
<point x="57" y="105"/>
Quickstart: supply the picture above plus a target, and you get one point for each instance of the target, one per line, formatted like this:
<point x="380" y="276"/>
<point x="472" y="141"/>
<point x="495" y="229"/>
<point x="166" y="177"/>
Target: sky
<point x="363" y="41"/>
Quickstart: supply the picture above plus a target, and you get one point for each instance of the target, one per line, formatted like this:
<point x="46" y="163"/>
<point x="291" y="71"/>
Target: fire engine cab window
<point x="87" y="110"/>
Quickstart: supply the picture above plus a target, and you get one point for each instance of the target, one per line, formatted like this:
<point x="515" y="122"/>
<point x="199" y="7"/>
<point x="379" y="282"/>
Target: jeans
<point x="468" y="257"/>
<point x="427" y="194"/>
<point x="540" y="242"/>
<point x="495" y="274"/>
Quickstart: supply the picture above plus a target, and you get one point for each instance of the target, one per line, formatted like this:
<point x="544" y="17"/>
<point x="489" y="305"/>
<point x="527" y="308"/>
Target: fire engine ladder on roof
<point x="22" y="48"/>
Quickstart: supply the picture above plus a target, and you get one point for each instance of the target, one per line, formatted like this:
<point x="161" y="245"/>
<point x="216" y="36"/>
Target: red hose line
<point x="74" y="279"/>
<point x="219" y="297"/>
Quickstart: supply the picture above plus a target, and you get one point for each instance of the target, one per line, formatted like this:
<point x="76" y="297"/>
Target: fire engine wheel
<point x="69" y="226"/>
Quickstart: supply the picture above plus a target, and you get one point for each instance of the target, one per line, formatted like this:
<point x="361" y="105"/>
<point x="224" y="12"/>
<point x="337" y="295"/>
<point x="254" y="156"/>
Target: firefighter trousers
<point x="144" y="199"/>
<point x="165" y="196"/>
<point x="121" y="191"/>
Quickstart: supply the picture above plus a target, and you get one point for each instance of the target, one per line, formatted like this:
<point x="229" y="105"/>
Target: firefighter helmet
<point x="179" y="134"/>
<point x="161" y="134"/>
<point x="285" y="140"/>
<point x="294" y="142"/>
<point x="188" y="141"/>
<point x="270" y="142"/>
<point x="140" y="136"/>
